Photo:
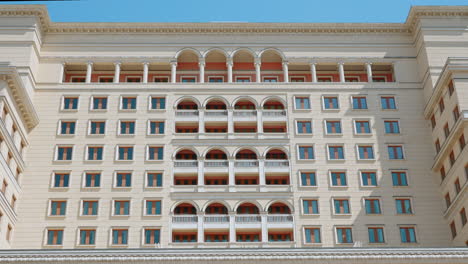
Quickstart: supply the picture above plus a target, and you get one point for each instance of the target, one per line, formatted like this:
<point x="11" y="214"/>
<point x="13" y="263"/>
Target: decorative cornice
<point x="292" y="255"/>
<point x="409" y="26"/>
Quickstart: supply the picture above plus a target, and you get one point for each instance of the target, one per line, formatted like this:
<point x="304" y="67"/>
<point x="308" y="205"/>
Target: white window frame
<point x="363" y="204"/>
<point x="143" y="239"/>
<point x="270" y="76"/>
<point x="78" y="236"/>
<point x="295" y="106"/>
<point x="327" y="149"/>
<point x="304" y="120"/>
<point x="298" y="77"/>
<point x="299" y="154"/>
<point x="82" y="206"/>
<point x="148" y="127"/>
<point x="330" y="179"/>
<point x="215" y="76"/>
<point x="188" y="76"/>
<point x="150" y="97"/>
<point x="388" y="95"/>
<point x="49" y="210"/>
<point x="299" y="172"/>
<point x="362" y="120"/>
<point x="333" y="120"/>
<point x="152" y="199"/>
<point x="335" y="229"/>
<point x="351" y="102"/>
<point x="62" y="105"/>
<point x="399" y="126"/>
<point x="146" y="179"/>
<point x="402" y="148"/>
<point x="111" y="230"/>
<point x="353" y="76"/>
<point x="416" y="235"/>
<point x="59" y="127"/>
<point x="117" y="147"/>
<point x="105" y="76"/>
<point x="83" y="181"/>
<point x="304" y="234"/>
<point x="400" y="170"/>
<point x="147" y="153"/>
<point x="243" y="77"/>
<point x="52" y="179"/>
<point x="96" y="120"/>
<point x="121" y="199"/>
<point x="121" y="102"/>
<point x="331" y="109"/>
<point x="119" y="132"/>
<point x="87" y="152"/>
<point x="133" y="76"/>
<point x="310" y="198"/>
<point x="63" y="145"/>
<point x="91" y="103"/>
<point x="161" y="77"/>
<point x="45" y="234"/>
<point x="76" y="77"/>
<point x="383" y="231"/>
<point x="365" y="145"/>
<point x="376" y="178"/>
<point x="330" y="77"/>
<point x="114" y="182"/>
<point x="379" y="76"/>
<point x="410" y="198"/>
<point x="333" y="198"/>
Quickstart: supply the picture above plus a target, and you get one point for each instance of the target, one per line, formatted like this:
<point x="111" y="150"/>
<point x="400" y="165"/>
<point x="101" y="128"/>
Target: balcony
<point x="219" y="166"/>
<point x="216" y="221"/>
<point x="186" y="115"/>
<point x="246" y="166"/>
<point x="185" y="166"/>
<point x="274" y="115"/>
<point x="216" y="115"/>
<point x="280" y="221"/>
<point x="245" y="115"/>
<point x="277" y="166"/>
<point x="248" y="221"/>
<point x="184" y="221"/>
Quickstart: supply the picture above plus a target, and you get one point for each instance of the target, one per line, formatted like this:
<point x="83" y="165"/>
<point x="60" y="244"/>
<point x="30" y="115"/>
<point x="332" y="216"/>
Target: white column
<point x="201" y="229"/>
<point x="261" y="172"/>
<point x="369" y="71"/>
<point x="313" y="71"/>
<point x="232" y="176"/>
<point x="173" y="71"/>
<point x="229" y="65"/>
<point x="230" y="121"/>
<point x="201" y="121"/>
<point x="232" y="227"/>
<point x="201" y="66"/>
<point x="264" y="215"/>
<point x="89" y="70"/>
<point x="258" y="78"/>
<point x="145" y="72"/>
<point x="201" y="171"/>
<point x="259" y="122"/>
<point x="341" y="71"/>
<point x="61" y="72"/>
<point x="393" y="71"/>
<point x="117" y="72"/>
<point x="285" y="72"/>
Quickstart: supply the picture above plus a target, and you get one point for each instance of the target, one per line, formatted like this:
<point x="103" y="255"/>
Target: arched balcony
<point x="272" y="67"/>
<point x="244" y="66"/>
<point x="248" y="214"/>
<point x="246" y="168"/>
<point x="280" y="223"/>
<point x="216" y="168"/>
<point x="188" y="66"/>
<point x="185" y="167"/>
<point x="216" y="68"/>
<point x="187" y="117"/>
<point x="216" y="114"/>
<point x="245" y="116"/>
<point x="247" y="209"/>
<point x="276" y="167"/>
<point x="274" y="117"/>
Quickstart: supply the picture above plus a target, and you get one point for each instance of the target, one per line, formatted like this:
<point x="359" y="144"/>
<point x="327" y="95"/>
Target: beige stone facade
<point x="225" y="135"/>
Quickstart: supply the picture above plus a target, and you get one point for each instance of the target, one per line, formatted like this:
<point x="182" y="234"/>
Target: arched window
<point x="279" y="208"/>
<point x="185" y="209"/>
<point x="247" y="208"/>
<point x="216" y="208"/>
<point x="246" y="154"/>
<point x="186" y="154"/>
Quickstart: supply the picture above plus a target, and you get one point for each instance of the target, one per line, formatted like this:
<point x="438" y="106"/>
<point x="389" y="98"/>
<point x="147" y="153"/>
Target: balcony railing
<point x="246" y="163"/>
<point x="274" y="113"/>
<point x="187" y="113"/>
<point x="216" y="113"/>
<point x="217" y="163"/>
<point x="248" y="219"/>
<point x="217" y="219"/>
<point x="184" y="219"/>
<point x="276" y="163"/>
<point x="245" y="113"/>
<point x="280" y="219"/>
<point x="186" y="163"/>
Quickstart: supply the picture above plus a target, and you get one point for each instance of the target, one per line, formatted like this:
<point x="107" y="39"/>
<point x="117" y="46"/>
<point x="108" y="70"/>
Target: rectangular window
<point x="67" y="127"/>
<point x="376" y="235"/>
<point x="119" y="236"/>
<point x="304" y="127"/>
<point x="152" y="236"/>
<point x="105" y="79"/>
<point x="403" y="206"/>
<point x="87" y="236"/>
<point x="58" y="208"/>
<point x="92" y="180"/>
<point x="64" y="153"/>
<point x="338" y="178"/>
<point x="125" y="153"/>
<point x="97" y="128"/>
<point x="156" y="127"/>
<point x="270" y="79"/>
<point x="99" y="103"/>
<point x="341" y="206"/>
<point x="333" y="127"/>
<point x="161" y="79"/>
<point x="242" y="79"/>
<point x="446" y="130"/>
<point x="310" y="206"/>
<point x="462" y="142"/>
<point x="452" y="158"/>
<point x="95" y="153"/>
<point x="456" y="113"/>
<point x="4" y="186"/>
<point x="215" y="79"/>
<point x="61" y="180"/>
<point x="312" y="235"/>
<point x="366" y="152"/>
<point x="134" y="79"/>
<point x="362" y="127"/>
<point x="448" y="201"/>
<point x="70" y="103"/>
<point x="54" y="237"/>
<point x="441" y="105"/>
<point x="372" y="206"/>
<point x="302" y="103"/>
<point x="399" y="178"/>
<point x="308" y="179"/>
<point x="453" y="229"/>
<point x="395" y="152"/>
<point x="437" y="145"/>
<point x="153" y="179"/>
<point x="127" y="127"/>
<point x="123" y="179"/>
<point x="442" y="173"/>
<point x="158" y="103"/>
<point x="90" y="207"/>
<point x="153" y="207"/>
<point x="463" y="216"/>
<point x="433" y="122"/>
<point x="451" y="88"/>
<point x="344" y="235"/>
<point x="330" y="103"/>
<point x="369" y="178"/>
<point x="335" y="152"/>
<point x="155" y="153"/>
<point x="297" y="79"/>
<point x="457" y="186"/>
<point x="408" y="235"/>
<point x="388" y="102"/>
<point x="188" y="79"/>
<point x="129" y="103"/>
<point x="359" y="102"/>
<point x="121" y="207"/>
<point x="306" y="152"/>
<point x="392" y="127"/>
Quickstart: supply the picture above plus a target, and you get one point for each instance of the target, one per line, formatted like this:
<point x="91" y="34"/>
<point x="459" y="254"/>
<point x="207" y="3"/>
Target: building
<point x="190" y="141"/>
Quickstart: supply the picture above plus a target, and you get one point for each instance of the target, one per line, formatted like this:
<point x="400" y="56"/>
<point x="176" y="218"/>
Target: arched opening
<point x="215" y="68"/>
<point x="243" y="67"/>
<point x="276" y="154"/>
<point x="216" y="208"/>
<point x="246" y="154"/>
<point x="186" y="154"/>
<point x="187" y="66"/>
<point x="279" y="208"/>
<point x="187" y="104"/>
<point x="216" y="104"/>
<point x="244" y="104"/>
<point x="185" y="209"/>
<point x="247" y="208"/>
<point x="273" y="104"/>
<point x="216" y="154"/>
<point x="272" y="66"/>
<point x="216" y="168"/>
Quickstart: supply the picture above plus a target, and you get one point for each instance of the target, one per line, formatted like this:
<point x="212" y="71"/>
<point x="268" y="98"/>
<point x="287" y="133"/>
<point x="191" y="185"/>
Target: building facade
<point x="184" y="137"/>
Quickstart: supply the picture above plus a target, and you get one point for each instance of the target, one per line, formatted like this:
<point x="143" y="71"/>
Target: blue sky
<point x="236" y="10"/>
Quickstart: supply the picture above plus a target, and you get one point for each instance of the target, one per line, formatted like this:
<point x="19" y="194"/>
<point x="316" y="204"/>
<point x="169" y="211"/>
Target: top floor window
<point x="129" y="103"/>
<point x="70" y="103"/>
<point x="302" y="103"/>
<point x="388" y="102"/>
<point x="359" y="102"/>
<point x="158" y="103"/>
<point x="99" y="103"/>
<point x="330" y="102"/>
